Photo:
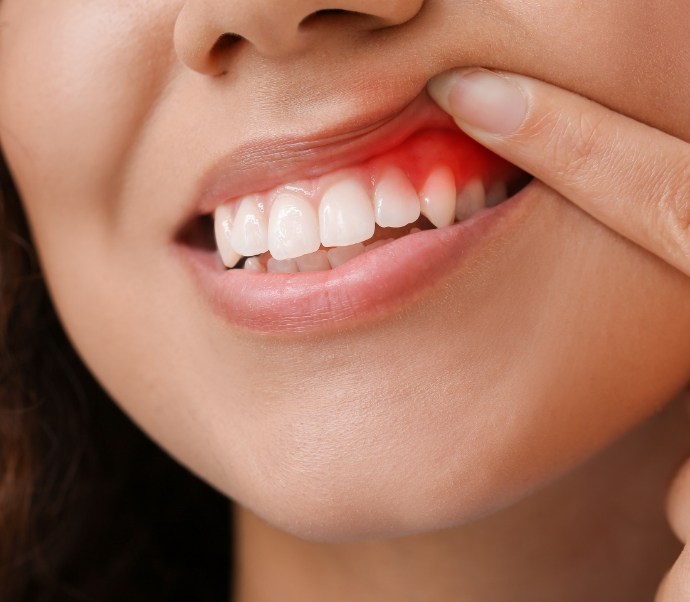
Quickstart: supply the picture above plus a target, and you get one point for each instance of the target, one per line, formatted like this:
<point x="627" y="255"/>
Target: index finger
<point x="631" y="177"/>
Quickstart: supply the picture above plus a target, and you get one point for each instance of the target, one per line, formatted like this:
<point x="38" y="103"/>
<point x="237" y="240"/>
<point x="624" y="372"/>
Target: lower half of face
<point x="449" y="386"/>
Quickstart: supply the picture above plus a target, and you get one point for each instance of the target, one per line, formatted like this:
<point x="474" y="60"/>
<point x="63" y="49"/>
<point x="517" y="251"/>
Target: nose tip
<point x="207" y="30"/>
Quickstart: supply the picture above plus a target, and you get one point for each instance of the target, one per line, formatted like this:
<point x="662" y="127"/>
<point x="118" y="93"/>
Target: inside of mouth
<point x="434" y="180"/>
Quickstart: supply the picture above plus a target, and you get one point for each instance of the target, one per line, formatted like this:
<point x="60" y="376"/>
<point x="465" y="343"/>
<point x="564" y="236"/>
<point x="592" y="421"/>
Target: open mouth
<point x="359" y="229"/>
<point x="435" y="179"/>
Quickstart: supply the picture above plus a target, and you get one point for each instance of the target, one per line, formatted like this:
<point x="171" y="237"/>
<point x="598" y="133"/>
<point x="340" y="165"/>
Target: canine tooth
<point x="339" y="255"/>
<point x="249" y="232"/>
<point x="222" y="226"/>
<point x="438" y="197"/>
<point x="471" y="199"/>
<point x="281" y="265"/>
<point x="293" y="227"/>
<point x="496" y="194"/>
<point x="346" y="215"/>
<point x="253" y="264"/>
<point x="396" y="203"/>
<point x="314" y="262"/>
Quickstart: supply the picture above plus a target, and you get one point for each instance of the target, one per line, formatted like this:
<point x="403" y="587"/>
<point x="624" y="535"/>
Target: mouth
<point x="340" y="240"/>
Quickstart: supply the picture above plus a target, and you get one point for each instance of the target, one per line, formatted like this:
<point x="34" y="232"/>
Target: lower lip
<point x="373" y="285"/>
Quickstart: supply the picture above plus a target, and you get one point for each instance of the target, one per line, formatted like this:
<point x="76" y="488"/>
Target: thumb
<point x="631" y="177"/>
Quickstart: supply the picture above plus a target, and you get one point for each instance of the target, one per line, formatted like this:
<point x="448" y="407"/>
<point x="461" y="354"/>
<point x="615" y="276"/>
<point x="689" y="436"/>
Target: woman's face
<point x="359" y="410"/>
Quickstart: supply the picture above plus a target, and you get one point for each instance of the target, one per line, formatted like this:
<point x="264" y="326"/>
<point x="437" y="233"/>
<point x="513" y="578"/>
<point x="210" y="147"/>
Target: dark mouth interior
<point x="519" y="183"/>
<point x="198" y="233"/>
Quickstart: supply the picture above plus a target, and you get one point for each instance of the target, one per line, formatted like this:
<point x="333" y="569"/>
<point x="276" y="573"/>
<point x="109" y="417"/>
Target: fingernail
<point x="481" y="99"/>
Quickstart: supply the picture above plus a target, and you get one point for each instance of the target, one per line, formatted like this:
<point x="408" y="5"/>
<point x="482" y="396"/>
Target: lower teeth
<point x="319" y="261"/>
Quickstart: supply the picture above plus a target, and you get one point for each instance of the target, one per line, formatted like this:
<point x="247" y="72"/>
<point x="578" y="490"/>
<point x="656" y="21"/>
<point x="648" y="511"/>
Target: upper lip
<point x="265" y="163"/>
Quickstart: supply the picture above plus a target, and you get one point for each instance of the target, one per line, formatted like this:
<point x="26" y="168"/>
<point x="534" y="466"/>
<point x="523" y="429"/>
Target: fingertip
<point x="439" y="87"/>
<point x="482" y="100"/>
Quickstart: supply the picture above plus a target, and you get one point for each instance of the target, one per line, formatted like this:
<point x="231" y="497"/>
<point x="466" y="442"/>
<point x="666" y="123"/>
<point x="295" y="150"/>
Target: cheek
<point x="632" y="56"/>
<point x="73" y="99"/>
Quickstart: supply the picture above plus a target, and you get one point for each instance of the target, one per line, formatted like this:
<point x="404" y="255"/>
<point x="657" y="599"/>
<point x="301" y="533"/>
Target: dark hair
<point x="90" y="508"/>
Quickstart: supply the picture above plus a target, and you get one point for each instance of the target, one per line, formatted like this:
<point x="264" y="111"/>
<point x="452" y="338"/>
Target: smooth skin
<point x="500" y="438"/>
<point x="633" y="178"/>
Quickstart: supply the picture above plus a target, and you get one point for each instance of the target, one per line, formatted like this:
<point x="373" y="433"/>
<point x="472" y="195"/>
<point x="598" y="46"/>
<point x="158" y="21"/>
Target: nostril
<point x="224" y="43"/>
<point x="363" y="14"/>
<point x="325" y="15"/>
<point x="329" y="11"/>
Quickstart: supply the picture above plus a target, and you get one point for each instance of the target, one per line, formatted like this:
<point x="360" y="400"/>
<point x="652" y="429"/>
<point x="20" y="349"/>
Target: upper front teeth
<point x="346" y="216"/>
<point x="293" y="227"/>
<point x="293" y="223"/>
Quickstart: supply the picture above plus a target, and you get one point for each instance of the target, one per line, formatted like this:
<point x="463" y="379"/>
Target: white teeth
<point x="496" y="194"/>
<point x="222" y="226"/>
<point x="249" y="233"/>
<point x="346" y="216"/>
<point x="253" y="264"/>
<point x="395" y="200"/>
<point x="438" y="197"/>
<point x="293" y="227"/>
<point x="314" y="262"/>
<point x="294" y="231"/>
<point x="470" y="199"/>
<point x="339" y="255"/>
<point x="282" y="265"/>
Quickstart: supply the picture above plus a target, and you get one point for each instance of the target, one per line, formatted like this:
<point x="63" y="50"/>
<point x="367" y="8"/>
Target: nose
<point x="207" y="30"/>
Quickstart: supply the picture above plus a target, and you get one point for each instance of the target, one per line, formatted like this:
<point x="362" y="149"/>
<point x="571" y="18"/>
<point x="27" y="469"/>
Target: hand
<point x="631" y="177"/>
